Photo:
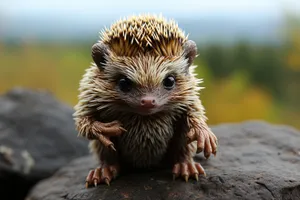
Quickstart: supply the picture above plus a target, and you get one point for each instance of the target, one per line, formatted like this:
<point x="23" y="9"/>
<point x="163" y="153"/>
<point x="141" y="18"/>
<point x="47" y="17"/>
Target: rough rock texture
<point x="37" y="136"/>
<point x="256" y="160"/>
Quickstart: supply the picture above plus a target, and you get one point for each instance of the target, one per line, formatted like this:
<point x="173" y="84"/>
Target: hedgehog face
<point x="147" y="84"/>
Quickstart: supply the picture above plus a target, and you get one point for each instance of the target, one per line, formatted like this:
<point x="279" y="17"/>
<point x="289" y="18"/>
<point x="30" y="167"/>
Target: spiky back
<point x="144" y="34"/>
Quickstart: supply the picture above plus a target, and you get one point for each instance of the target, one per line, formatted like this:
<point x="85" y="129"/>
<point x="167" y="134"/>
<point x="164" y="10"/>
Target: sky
<point x="113" y="8"/>
<point x="60" y="17"/>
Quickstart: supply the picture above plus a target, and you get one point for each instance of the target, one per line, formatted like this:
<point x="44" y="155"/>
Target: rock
<point x="256" y="160"/>
<point x="37" y="137"/>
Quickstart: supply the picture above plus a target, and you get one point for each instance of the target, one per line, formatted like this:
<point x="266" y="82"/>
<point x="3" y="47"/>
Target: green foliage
<point x="263" y="64"/>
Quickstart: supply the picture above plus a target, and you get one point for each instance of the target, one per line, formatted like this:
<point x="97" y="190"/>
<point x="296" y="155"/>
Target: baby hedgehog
<point x="139" y="104"/>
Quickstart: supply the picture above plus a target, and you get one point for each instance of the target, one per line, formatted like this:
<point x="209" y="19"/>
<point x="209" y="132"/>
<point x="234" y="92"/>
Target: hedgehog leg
<point x="206" y="139"/>
<point x="105" y="130"/>
<point x="187" y="167"/>
<point x="108" y="169"/>
<point x="94" y="130"/>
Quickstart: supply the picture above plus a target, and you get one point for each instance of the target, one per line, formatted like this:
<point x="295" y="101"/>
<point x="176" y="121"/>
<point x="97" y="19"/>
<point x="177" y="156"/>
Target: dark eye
<point x="125" y="84"/>
<point x="169" y="82"/>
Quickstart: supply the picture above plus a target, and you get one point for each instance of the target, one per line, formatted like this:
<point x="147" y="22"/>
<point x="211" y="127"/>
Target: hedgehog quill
<point x="139" y="101"/>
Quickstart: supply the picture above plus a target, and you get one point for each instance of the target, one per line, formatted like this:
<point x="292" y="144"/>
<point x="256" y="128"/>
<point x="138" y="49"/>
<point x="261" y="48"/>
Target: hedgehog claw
<point x="186" y="178"/>
<point x="112" y="147"/>
<point x="122" y="129"/>
<point x="107" y="182"/>
<point x="196" y="177"/>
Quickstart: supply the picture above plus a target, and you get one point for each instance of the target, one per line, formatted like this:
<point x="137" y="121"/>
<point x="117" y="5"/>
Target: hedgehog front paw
<point x="187" y="169"/>
<point x="206" y="139"/>
<point x="113" y="128"/>
<point x="105" y="130"/>
<point x="104" y="174"/>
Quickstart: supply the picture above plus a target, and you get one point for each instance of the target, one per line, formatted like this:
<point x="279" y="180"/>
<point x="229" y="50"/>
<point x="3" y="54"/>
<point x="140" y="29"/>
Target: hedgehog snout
<point x="148" y="102"/>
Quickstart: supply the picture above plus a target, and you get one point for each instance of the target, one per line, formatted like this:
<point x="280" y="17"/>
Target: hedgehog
<point x="139" y="104"/>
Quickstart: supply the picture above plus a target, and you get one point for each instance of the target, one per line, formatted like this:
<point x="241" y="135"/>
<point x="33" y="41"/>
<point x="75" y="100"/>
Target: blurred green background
<point x="249" y="53"/>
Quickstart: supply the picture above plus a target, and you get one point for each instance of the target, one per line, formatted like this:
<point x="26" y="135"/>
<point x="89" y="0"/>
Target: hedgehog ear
<point x="99" y="53"/>
<point x="190" y="51"/>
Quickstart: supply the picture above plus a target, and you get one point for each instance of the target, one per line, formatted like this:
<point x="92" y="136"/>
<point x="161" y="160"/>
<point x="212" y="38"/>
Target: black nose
<point x="148" y="102"/>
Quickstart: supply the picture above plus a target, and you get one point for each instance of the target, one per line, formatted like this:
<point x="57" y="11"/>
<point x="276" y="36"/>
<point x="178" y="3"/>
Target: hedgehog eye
<point x="125" y="84"/>
<point x="169" y="82"/>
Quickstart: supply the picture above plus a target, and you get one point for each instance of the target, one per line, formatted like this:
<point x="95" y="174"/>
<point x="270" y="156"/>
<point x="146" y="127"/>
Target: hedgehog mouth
<point x="147" y="111"/>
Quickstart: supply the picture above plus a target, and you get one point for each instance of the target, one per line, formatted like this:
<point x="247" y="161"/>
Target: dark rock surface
<point x="37" y="137"/>
<point x="256" y="160"/>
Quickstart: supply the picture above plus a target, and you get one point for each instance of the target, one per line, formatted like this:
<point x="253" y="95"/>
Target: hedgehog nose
<point x="148" y="102"/>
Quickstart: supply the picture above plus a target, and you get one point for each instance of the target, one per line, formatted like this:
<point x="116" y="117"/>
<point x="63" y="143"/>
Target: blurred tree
<point x="267" y="69"/>
<point x="218" y="60"/>
<point x="292" y="27"/>
<point x="292" y="61"/>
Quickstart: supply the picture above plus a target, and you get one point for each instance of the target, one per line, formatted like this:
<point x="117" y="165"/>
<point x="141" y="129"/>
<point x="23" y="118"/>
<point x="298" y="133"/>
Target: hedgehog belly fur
<point x="146" y="140"/>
